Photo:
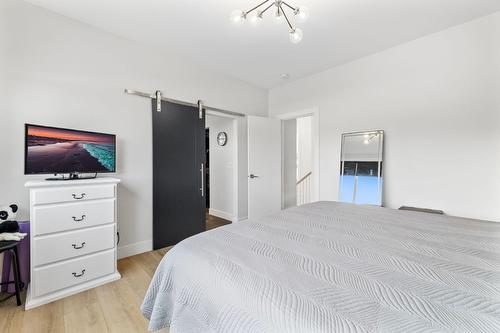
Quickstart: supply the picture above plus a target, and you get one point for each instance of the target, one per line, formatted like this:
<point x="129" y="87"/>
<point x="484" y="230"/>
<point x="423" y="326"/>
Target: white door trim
<point x="314" y="113"/>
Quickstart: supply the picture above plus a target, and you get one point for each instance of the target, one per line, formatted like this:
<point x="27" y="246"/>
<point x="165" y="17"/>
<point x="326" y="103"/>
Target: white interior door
<point x="264" y="166"/>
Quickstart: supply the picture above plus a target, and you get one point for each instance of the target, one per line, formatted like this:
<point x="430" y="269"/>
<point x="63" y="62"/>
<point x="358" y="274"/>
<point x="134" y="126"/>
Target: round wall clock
<point x="222" y="138"/>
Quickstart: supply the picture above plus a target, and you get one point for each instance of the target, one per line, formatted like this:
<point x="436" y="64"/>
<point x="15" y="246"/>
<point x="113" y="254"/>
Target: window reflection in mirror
<point x="361" y="168"/>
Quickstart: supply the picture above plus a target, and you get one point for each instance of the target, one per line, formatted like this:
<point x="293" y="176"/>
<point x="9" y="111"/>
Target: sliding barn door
<point x="178" y="173"/>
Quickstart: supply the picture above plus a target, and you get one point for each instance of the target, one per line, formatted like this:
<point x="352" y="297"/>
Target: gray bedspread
<point x="331" y="267"/>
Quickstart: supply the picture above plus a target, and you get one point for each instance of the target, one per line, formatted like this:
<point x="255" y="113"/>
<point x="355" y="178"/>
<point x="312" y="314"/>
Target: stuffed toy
<point x="9" y="228"/>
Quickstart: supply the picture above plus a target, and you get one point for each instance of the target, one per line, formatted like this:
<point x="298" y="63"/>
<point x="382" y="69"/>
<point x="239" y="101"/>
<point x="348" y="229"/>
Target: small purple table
<point x="23" y="251"/>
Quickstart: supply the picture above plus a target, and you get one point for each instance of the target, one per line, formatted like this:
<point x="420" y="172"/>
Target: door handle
<point x="202" y="188"/>
<point x="252" y="176"/>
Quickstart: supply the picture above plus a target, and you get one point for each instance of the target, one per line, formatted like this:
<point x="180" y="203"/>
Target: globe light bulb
<point x="255" y="18"/>
<point x="301" y="13"/>
<point x="278" y="17"/>
<point x="296" y="35"/>
<point x="237" y="16"/>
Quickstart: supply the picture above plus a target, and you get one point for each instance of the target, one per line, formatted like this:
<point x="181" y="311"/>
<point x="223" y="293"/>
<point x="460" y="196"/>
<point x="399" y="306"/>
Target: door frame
<point x="235" y="139"/>
<point x="314" y="113"/>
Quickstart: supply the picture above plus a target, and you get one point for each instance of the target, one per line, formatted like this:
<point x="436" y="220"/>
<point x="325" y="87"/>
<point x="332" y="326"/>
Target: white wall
<point x="222" y="168"/>
<point x="60" y="72"/>
<point x="438" y="100"/>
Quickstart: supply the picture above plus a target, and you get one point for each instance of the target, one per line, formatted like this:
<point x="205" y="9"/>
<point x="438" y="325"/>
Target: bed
<point x="332" y="267"/>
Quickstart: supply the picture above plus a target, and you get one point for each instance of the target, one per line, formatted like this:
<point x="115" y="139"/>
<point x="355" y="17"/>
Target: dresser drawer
<point x="63" y="217"/>
<point x="71" y="193"/>
<point x="49" y="249"/>
<point x="73" y="272"/>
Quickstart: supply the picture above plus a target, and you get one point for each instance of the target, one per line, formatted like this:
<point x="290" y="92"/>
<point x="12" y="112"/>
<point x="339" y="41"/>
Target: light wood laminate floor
<point x="113" y="307"/>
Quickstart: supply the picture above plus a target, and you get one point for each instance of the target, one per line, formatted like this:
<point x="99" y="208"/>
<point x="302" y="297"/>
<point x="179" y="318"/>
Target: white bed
<point x="331" y="267"/>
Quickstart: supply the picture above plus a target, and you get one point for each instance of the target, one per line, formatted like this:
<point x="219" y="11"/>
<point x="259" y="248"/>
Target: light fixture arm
<point x="254" y="8"/>
<point x="266" y="9"/>
<point x="292" y="8"/>
<point x="286" y="18"/>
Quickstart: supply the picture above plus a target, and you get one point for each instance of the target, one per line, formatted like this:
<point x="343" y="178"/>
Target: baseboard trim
<point x="32" y="302"/>
<point x="221" y="214"/>
<point x="135" y="248"/>
<point x="240" y="219"/>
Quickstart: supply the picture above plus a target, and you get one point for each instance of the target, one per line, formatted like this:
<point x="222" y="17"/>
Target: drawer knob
<point x="78" y="275"/>
<point x="76" y="197"/>
<point x="78" y="247"/>
<point x="80" y="219"/>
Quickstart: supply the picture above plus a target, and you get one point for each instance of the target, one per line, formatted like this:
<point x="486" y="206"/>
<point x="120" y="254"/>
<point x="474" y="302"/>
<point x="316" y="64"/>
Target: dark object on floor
<point x="422" y="210"/>
<point x="11" y="247"/>
<point x="9" y="226"/>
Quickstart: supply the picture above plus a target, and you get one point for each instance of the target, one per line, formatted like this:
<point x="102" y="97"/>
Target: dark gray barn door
<point x="178" y="173"/>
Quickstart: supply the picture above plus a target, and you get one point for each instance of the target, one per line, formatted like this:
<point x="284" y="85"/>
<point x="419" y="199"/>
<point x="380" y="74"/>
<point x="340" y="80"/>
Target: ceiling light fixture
<point x="285" y="76"/>
<point x="255" y="15"/>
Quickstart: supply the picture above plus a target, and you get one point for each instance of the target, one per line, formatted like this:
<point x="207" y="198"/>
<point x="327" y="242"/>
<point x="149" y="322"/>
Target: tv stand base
<point x="72" y="176"/>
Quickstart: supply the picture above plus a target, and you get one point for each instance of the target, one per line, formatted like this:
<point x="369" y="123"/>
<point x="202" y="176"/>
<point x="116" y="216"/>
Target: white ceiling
<point x="338" y="31"/>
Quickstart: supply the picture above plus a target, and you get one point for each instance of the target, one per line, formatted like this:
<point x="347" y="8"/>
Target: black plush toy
<point x="9" y="228"/>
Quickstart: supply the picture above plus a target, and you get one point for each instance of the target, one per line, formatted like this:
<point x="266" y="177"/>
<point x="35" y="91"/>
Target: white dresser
<point x="73" y="237"/>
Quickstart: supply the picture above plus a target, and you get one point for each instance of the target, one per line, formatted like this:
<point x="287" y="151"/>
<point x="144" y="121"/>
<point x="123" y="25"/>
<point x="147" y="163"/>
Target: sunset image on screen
<point x="57" y="150"/>
<point x="68" y="135"/>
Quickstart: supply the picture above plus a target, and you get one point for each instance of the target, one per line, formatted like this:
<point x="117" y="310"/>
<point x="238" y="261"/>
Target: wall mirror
<point x="361" y="168"/>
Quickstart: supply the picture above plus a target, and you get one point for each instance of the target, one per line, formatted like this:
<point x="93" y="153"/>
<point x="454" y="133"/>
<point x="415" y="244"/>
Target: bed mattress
<point x="332" y="267"/>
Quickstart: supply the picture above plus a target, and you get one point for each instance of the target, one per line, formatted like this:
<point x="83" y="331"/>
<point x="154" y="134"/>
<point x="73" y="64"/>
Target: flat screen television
<point x="53" y="150"/>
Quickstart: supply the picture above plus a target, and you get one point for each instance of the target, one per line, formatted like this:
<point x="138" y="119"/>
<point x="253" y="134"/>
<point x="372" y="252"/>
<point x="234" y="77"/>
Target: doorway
<point x="221" y="171"/>
<point x="304" y="153"/>
<point x="300" y="158"/>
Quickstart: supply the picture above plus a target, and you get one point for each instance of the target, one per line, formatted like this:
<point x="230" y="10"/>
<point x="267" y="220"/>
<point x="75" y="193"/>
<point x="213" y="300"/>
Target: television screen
<point x="59" y="150"/>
